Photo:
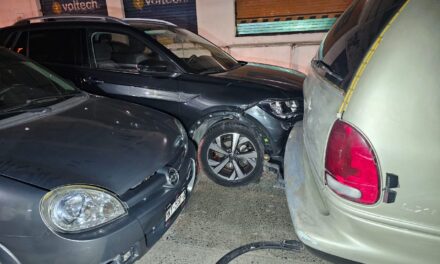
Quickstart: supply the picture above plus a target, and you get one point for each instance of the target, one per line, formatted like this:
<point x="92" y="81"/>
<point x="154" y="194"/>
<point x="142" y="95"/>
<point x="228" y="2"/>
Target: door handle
<point x="91" y="80"/>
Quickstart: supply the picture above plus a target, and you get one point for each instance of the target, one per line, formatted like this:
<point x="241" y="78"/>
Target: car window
<point x="22" y="82"/>
<point x="346" y="44"/>
<point x="199" y="55"/>
<point x="7" y="38"/>
<point x="60" y="46"/>
<point x="21" y="46"/>
<point x="119" y="51"/>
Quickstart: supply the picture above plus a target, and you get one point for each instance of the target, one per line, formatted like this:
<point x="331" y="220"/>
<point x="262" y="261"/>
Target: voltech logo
<point x="56" y="8"/>
<point x="74" y="6"/>
<point x="138" y="4"/>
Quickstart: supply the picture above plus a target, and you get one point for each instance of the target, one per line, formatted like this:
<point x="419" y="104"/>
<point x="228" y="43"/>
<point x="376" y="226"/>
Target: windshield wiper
<point x="20" y="111"/>
<point x="30" y="103"/>
<point x="324" y="66"/>
<point x="210" y="71"/>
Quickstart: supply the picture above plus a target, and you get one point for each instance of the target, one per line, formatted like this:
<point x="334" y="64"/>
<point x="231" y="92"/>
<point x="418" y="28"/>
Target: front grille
<point x="148" y="188"/>
<point x="157" y="184"/>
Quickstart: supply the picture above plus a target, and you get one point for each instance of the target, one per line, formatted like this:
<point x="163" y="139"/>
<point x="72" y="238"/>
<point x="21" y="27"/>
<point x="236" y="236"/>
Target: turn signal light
<point x="351" y="167"/>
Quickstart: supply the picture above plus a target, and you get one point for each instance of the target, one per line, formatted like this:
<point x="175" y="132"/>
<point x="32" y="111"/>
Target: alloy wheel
<point x="232" y="156"/>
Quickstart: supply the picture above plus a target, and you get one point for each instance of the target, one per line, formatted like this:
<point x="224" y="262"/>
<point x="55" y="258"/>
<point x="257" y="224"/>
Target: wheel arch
<point x="201" y="126"/>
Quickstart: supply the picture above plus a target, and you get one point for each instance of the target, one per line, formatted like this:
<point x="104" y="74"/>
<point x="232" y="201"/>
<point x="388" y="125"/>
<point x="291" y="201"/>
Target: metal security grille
<point x="180" y="12"/>
<point x="258" y="17"/>
<point x="70" y="7"/>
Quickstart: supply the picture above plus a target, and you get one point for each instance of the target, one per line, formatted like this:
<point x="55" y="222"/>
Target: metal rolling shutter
<point x="256" y="17"/>
<point x="180" y="12"/>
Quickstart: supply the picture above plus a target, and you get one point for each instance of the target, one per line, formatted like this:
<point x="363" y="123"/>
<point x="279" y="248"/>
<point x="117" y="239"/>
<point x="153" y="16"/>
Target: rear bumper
<point x="325" y="226"/>
<point x="121" y="242"/>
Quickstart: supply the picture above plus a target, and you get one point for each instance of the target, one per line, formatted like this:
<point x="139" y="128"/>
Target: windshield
<point x="24" y="85"/>
<point x="198" y="54"/>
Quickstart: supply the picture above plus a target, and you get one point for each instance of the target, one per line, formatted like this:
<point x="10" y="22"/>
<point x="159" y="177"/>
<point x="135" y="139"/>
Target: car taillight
<point x="350" y="163"/>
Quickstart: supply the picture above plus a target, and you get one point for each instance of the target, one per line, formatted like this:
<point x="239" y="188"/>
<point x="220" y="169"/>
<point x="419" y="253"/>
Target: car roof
<point x="89" y="18"/>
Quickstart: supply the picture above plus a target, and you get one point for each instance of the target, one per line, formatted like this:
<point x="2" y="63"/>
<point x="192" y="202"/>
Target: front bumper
<point x="323" y="225"/>
<point x="275" y="130"/>
<point x="121" y="242"/>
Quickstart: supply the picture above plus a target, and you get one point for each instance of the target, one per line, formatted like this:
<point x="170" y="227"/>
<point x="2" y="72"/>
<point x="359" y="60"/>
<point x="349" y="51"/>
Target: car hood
<point x="288" y="82"/>
<point x="101" y="142"/>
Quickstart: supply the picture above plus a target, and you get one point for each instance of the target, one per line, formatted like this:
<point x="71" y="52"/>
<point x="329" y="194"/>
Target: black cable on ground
<point x="292" y="245"/>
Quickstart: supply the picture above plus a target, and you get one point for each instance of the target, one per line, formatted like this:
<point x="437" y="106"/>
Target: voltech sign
<point x="141" y="3"/>
<point x="180" y="12"/>
<point x="68" y="7"/>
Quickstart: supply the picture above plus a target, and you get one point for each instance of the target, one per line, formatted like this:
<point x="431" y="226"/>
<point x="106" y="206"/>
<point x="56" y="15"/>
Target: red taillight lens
<point x="350" y="163"/>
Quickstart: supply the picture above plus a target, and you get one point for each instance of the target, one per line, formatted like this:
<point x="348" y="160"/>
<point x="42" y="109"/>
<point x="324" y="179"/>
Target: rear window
<point x="349" y="40"/>
<point x="7" y="38"/>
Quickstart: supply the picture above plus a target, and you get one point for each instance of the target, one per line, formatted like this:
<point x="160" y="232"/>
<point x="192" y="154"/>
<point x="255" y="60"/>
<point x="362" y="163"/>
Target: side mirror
<point x="153" y="66"/>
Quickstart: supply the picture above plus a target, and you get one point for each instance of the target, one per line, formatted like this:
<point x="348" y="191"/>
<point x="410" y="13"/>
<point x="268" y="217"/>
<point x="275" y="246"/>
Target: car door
<point x="124" y="66"/>
<point x="62" y="51"/>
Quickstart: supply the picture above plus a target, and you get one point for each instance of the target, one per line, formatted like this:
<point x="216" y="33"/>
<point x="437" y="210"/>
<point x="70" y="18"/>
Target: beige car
<point x="363" y="168"/>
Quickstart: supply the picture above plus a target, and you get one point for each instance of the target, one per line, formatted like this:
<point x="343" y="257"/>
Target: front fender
<point x="20" y="210"/>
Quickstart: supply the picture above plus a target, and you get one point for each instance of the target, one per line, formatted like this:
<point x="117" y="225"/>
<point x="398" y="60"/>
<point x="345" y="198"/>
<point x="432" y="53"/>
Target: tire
<point x="225" y="166"/>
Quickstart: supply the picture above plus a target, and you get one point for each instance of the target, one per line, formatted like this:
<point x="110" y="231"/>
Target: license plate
<point x="173" y="208"/>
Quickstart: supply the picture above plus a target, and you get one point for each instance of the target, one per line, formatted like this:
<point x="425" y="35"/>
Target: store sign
<point x="73" y="7"/>
<point x="180" y="12"/>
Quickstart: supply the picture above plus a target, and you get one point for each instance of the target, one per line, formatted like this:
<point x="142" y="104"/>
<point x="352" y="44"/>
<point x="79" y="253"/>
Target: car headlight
<point x="283" y="109"/>
<point x="77" y="208"/>
<point x="183" y="138"/>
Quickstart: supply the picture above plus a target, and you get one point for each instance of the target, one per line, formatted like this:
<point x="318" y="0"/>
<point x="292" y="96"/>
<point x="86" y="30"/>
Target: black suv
<point x="239" y="113"/>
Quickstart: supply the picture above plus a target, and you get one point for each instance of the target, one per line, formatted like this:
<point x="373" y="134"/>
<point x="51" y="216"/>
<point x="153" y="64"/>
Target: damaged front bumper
<point x="275" y="130"/>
